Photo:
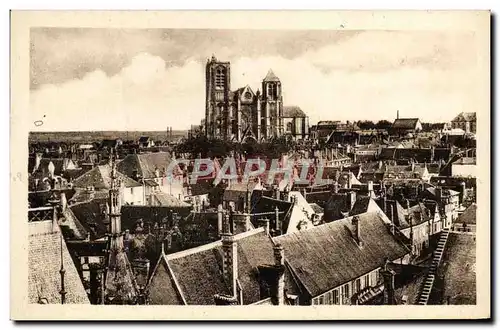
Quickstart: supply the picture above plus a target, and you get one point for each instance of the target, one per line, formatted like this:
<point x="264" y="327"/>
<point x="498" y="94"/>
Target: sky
<point x="151" y="79"/>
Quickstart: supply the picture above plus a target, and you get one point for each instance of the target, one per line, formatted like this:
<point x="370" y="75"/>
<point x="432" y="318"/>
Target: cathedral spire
<point x="120" y="284"/>
<point x="271" y="76"/>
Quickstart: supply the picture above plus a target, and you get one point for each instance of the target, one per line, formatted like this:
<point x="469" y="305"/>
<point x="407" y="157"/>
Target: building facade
<point x="244" y="114"/>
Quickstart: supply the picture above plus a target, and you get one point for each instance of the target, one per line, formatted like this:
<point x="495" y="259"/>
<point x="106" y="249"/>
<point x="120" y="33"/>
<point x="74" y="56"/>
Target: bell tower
<point x="218" y="116"/>
<point x="272" y="106"/>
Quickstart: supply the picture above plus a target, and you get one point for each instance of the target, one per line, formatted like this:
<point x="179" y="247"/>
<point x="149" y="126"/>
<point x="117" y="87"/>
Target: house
<point x="466" y="221"/>
<point x="448" y="202"/>
<point x="242" y="269"/>
<point x="99" y="179"/>
<point x="240" y="195"/>
<point x="339" y="262"/>
<point x="403" y="126"/>
<point x="296" y="122"/>
<point x="465" y="166"/>
<point x="146" y="142"/>
<point x="151" y="169"/>
<point x="465" y="121"/>
<point x="47" y="255"/>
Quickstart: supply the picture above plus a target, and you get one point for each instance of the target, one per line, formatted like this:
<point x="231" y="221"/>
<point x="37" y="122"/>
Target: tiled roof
<point x="100" y="178"/>
<point x="405" y="123"/>
<point x="459" y="269"/>
<point x="168" y="200"/>
<point x="161" y="287"/>
<point x="198" y="272"/>
<point x="469" y="216"/>
<point x="293" y="111"/>
<point x="92" y="215"/>
<point x="327" y="256"/>
<point x="44" y="262"/>
<point x="145" y="164"/>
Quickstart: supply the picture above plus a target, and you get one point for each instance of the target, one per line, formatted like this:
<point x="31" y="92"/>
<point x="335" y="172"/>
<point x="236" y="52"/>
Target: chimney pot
<point x="356" y="228"/>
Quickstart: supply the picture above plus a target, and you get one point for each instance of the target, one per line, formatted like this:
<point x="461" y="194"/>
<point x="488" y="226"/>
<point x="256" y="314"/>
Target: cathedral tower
<point x="218" y="115"/>
<point x="272" y="106"/>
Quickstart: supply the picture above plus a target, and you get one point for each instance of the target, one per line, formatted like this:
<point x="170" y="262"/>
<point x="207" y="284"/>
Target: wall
<point x="134" y="196"/>
<point x="342" y="295"/>
<point x="464" y="170"/>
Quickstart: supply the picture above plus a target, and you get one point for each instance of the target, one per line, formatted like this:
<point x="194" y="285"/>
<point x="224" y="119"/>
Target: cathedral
<point x="244" y="114"/>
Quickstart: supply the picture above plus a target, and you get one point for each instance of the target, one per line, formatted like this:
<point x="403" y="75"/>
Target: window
<point x="336" y="298"/>
<point x="131" y="191"/>
<point x="328" y="298"/>
<point x="367" y="280"/>
<point x="271" y="91"/>
<point x="357" y="286"/>
<point x="289" y="127"/>
<point x="220" y="77"/>
<point x="345" y="293"/>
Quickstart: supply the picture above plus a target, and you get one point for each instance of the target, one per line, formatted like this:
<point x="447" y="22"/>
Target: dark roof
<point x="145" y="164"/>
<point x="465" y="116"/>
<point x="161" y="287"/>
<point x="271" y="76"/>
<point x="92" y="215"/>
<point x="327" y="256"/>
<point x="198" y="271"/>
<point x="293" y="111"/>
<point x="405" y="123"/>
<point x="143" y="139"/>
<point x="268" y="204"/>
<point x="469" y="215"/>
<point x="363" y="204"/>
<point x="459" y="269"/>
<point x="419" y="214"/>
<point x="44" y="263"/>
<point x="100" y="178"/>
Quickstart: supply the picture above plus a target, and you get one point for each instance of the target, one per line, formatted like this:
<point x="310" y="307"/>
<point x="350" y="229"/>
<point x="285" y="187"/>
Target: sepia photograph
<point x="320" y="171"/>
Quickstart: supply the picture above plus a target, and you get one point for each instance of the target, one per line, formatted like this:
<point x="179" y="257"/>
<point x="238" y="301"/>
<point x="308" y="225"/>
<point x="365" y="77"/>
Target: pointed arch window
<point x="220" y="78"/>
<point x="272" y="91"/>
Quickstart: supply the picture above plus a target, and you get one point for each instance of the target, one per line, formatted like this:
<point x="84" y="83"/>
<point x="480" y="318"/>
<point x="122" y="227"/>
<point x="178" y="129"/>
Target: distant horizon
<point x="113" y="79"/>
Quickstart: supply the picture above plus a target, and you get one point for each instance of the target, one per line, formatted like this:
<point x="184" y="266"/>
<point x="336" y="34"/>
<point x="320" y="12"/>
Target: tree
<point x="383" y="124"/>
<point x="366" y="124"/>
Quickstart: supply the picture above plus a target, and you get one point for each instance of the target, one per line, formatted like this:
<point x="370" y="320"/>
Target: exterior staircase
<point x="431" y="275"/>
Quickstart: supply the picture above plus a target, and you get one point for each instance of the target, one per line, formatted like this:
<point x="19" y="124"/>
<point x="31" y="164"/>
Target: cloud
<point x="357" y="78"/>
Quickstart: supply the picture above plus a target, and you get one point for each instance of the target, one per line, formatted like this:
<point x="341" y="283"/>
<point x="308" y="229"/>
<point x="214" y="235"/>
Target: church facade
<point x="244" y="114"/>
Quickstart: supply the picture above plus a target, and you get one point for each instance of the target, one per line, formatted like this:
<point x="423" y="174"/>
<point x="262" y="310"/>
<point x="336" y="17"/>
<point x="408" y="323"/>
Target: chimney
<point x="248" y="201"/>
<point x="277" y="224"/>
<point x="63" y="201"/>
<point x="264" y="223"/>
<point x="229" y="258"/>
<point x="356" y="230"/>
<point x="370" y="189"/>
<point x="388" y="275"/>
<point x="220" y="220"/>
<point x="38" y="159"/>
<point x="464" y="191"/>
<point x="397" y="115"/>
<point x="279" y="262"/>
<point x="335" y="187"/>
<point x="393" y="228"/>
<point x="351" y="195"/>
